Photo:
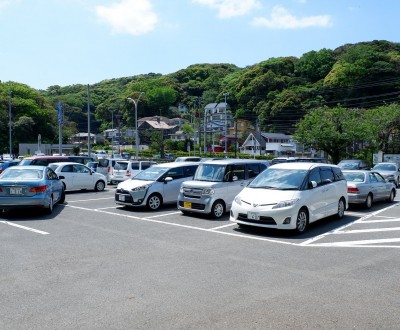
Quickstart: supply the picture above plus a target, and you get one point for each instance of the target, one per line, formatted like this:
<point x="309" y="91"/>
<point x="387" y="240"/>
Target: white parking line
<point x="221" y="227"/>
<point x="357" y="231"/>
<point x="163" y="215"/>
<point x="88" y="200"/>
<point x="364" y="243"/>
<point x="382" y="221"/>
<point x="25" y="228"/>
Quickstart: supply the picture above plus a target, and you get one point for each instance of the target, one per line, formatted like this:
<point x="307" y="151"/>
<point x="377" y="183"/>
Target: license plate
<point x="15" y="191"/>
<point x="253" y="216"/>
<point x="121" y="198"/>
<point x="187" y="205"/>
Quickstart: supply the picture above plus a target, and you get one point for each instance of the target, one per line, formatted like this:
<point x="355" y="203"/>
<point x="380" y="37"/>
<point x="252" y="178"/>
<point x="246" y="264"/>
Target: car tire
<point x="391" y="196"/>
<point x="341" y="208"/>
<point x="100" y="185"/>
<point x="49" y="209"/>
<point x="62" y="198"/>
<point x="218" y="209"/>
<point x="302" y="221"/>
<point x="154" y="202"/>
<point x="368" y="201"/>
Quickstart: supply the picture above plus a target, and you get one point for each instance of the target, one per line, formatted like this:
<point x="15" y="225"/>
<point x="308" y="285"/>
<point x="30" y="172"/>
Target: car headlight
<point x="141" y="188"/>
<point x="238" y="200"/>
<point x="288" y="203"/>
<point x="208" y="191"/>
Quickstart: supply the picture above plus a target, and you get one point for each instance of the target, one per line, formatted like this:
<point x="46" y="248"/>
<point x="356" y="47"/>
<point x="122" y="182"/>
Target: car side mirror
<point x="168" y="179"/>
<point x="312" y="184"/>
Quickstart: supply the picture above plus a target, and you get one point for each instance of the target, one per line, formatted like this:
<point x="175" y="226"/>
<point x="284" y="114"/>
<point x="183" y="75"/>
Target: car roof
<point x="301" y="165"/>
<point x="47" y="157"/>
<point x="175" y="164"/>
<point x="66" y="163"/>
<point x="28" y="167"/>
<point x="229" y="161"/>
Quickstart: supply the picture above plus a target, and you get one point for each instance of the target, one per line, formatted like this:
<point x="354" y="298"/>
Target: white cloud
<point x="135" y="17"/>
<point x="282" y="19"/>
<point x="230" y="8"/>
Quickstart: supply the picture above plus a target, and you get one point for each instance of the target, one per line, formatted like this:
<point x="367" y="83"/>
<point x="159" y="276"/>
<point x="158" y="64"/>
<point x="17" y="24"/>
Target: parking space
<point x="377" y="227"/>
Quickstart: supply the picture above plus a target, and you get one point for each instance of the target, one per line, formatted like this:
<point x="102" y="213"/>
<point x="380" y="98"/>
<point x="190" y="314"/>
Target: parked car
<point x="278" y="160"/>
<point x="353" y="164"/>
<point x="188" y="159"/>
<point x="215" y="185"/>
<point x="30" y="186"/>
<point x="125" y="169"/>
<point x="366" y="187"/>
<point x="43" y="160"/>
<point x="93" y="166"/>
<point x="81" y="159"/>
<point x="106" y="167"/>
<point x="313" y="160"/>
<point x="155" y="186"/>
<point x="390" y="171"/>
<point x="291" y="196"/>
<point x="76" y="176"/>
<point x="7" y="164"/>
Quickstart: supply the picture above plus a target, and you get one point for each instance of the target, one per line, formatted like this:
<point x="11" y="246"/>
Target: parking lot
<point x="93" y="264"/>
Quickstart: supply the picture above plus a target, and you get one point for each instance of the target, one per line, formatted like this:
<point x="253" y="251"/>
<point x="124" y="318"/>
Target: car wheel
<point x="368" y="201"/>
<point x="391" y="196"/>
<point x="341" y="208"/>
<point x="62" y="198"/>
<point x="100" y="185"/>
<point x="218" y="209"/>
<point x="301" y="221"/>
<point x="154" y="202"/>
<point x="49" y="209"/>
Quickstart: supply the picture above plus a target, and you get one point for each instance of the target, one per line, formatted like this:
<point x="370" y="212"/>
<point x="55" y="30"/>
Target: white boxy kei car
<point x="290" y="196"/>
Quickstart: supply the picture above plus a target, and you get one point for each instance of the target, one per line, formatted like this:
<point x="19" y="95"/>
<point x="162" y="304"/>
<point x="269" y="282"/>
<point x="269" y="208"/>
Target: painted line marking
<point x="88" y="200"/>
<point x="356" y="231"/>
<point x="106" y="208"/>
<point x="185" y="226"/>
<point x="382" y="221"/>
<point x="25" y="228"/>
<point x="163" y="215"/>
<point x="317" y="238"/>
<point x="363" y="242"/>
<point x="225" y="226"/>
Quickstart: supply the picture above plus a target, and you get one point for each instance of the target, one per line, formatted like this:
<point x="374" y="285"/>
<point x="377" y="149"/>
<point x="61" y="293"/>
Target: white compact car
<point x="155" y="186"/>
<point x="290" y="196"/>
<point x="76" y="176"/>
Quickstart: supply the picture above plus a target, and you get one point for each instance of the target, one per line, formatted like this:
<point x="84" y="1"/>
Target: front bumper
<point x="131" y="198"/>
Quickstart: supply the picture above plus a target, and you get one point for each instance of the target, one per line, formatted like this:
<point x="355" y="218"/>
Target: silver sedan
<point x="366" y="187"/>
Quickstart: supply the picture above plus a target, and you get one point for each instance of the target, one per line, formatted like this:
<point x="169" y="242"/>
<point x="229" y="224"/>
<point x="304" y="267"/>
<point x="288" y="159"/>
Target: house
<point x="217" y="118"/>
<point x="276" y="144"/>
<point x="146" y="127"/>
<point x="82" y="138"/>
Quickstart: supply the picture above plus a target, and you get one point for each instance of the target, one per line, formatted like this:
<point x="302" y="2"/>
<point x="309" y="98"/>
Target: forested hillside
<point x="278" y="92"/>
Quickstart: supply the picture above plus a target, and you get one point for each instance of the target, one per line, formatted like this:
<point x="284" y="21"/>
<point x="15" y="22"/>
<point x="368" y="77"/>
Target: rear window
<point x="121" y="165"/>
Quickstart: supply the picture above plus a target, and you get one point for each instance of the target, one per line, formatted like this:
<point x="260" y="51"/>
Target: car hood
<point x="385" y="173"/>
<point x="200" y="184"/>
<point x="266" y="196"/>
<point x="130" y="184"/>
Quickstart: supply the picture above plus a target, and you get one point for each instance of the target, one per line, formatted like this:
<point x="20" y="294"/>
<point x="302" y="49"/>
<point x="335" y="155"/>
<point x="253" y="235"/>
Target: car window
<point x="175" y="173"/>
<point x="67" y="168"/>
<point x="145" y="165"/>
<point x="253" y="170"/>
<point x="372" y="177"/>
<point x="238" y="171"/>
<point x="379" y="178"/>
<point x="121" y="165"/>
<point x="338" y="174"/>
<point x="81" y="169"/>
<point x="315" y="176"/>
<point x="327" y="175"/>
<point x="135" y="166"/>
<point x="189" y="171"/>
<point x="103" y="162"/>
<point x="51" y="175"/>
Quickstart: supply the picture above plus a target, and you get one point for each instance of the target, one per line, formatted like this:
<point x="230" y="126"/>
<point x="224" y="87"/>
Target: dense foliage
<point x="355" y="83"/>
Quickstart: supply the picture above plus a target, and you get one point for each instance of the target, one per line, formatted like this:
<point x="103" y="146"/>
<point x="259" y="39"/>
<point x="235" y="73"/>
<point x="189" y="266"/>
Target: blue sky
<point x="65" y="42"/>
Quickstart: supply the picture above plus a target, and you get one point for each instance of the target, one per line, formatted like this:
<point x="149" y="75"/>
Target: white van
<point x="215" y="185"/>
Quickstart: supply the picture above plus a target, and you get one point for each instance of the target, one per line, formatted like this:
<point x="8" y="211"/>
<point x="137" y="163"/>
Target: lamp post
<point x="112" y="132"/>
<point x="135" y="102"/>
<point x="226" y="123"/>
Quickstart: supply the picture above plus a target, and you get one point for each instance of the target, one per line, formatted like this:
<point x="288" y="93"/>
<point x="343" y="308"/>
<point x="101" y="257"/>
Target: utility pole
<point x="226" y="124"/>
<point x="60" y="121"/>
<point x="10" y="122"/>
<point x="88" y="112"/>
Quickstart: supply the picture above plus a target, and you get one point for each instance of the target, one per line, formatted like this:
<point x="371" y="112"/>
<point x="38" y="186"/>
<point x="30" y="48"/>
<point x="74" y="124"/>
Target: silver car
<point x="366" y="187"/>
<point x="155" y="186"/>
<point x="390" y="171"/>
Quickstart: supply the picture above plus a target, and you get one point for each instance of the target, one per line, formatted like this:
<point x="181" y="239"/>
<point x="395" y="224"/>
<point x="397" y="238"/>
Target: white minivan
<point x="215" y="185"/>
<point x="291" y="196"/>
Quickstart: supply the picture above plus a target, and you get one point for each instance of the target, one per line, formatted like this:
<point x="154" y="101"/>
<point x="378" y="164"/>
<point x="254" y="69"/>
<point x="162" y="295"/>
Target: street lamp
<point x="136" y="124"/>
<point x="226" y="122"/>
<point x="112" y="132"/>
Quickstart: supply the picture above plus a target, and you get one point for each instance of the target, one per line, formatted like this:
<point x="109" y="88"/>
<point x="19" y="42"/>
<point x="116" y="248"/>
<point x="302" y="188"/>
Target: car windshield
<point x="348" y="166"/>
<point x="121" y="165"/>
<point x="22" y="174"/>
<point x="151" y="174"/>
<point x="210" y="172"/>
<point x="384" y="167"/>
<point x="281" y="179"/>
<point x="354" y="176"/>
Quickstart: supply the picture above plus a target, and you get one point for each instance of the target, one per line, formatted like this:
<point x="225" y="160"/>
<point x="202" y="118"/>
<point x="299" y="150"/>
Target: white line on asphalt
<point x="382" y="221"/>
<point x="362" y="242"/>
<point x="106" y="208"/>
<point x="220" y="227"/>
<point x="385" y="217"/>
<point x="185" y="226"/>
<point x="356" y="231"/>
<point x="163" y="215"/>
<point x="316" y="238"/>
<point x="26" y="228"/>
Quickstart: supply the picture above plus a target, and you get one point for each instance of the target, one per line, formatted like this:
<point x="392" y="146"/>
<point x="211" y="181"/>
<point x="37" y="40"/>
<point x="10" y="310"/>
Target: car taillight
<point x="1" y="190"/>
<point x="38" y="189"/>
<point x="108" y="169"/>
<point x="352" y="190"/>
<point x="128" y="173"/>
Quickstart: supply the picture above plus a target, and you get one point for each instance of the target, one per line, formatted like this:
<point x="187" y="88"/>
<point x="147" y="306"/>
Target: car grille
<point x="192" y="192"/>
<point x="128" y="197"/>
<point x="263" y="220"/>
